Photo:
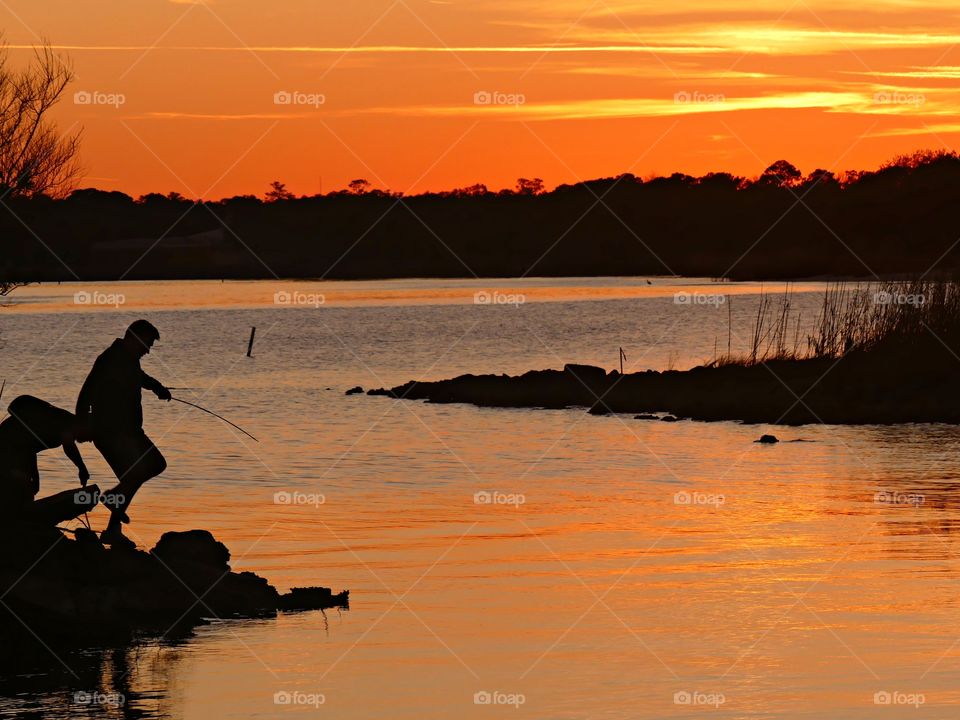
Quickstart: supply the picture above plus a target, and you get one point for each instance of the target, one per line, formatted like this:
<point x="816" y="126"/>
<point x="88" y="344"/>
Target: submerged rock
<point x="65" y="590"/>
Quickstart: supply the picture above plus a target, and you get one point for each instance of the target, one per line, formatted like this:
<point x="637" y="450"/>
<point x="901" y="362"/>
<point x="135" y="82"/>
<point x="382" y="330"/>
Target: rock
<point x="668" y="418"/>
<point x="354" y="391"/>
<point x="589" y="375"/>
<point x="646" y="416"/>
<point x="768" y="439"/>
<point x="73" y="592"/>
<point x="312" y="598"/>
<point x="192" y="547"/>
<point x="913" y="382"/>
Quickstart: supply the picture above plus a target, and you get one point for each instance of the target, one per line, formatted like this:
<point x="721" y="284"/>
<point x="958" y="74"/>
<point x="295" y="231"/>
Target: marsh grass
<point x="871" y="317"/>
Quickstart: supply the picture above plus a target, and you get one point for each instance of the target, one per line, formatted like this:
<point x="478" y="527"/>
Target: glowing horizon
<point x="213" y="99"/>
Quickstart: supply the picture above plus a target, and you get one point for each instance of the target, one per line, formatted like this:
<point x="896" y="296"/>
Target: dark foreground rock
<point x="886" y="385"/>
<point x="65" y="591"/>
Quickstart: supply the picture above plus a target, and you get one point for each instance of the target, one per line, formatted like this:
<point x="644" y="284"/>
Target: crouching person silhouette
<point x="111" y="397"/>
<point x="35" y="425"/>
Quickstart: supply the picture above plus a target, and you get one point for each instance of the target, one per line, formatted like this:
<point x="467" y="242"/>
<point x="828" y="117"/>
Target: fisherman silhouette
<point x="35" y="425"/>
<point x="111" y="397"/>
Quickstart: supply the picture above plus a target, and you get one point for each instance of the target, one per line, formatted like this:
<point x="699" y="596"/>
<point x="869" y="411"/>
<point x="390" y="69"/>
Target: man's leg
<point x="135" y="460"/>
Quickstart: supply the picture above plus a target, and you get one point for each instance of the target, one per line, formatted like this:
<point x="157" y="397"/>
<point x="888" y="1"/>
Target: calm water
<point x="783" y="589"/>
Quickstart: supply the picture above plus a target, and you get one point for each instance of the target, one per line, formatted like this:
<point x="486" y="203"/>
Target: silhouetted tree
<point x="359" y="186"/>
<point x="780" y="174"/>
<point x="820" y="178"/>
<point x="529" y="187"/>
<point x="471" y="191"/>
<point x="278" y="191"/>
<point x="720" y="180"/>
<point x="35" y="158"/>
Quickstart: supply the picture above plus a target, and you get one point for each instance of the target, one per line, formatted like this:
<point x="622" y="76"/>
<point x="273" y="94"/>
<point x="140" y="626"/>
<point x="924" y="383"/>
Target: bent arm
<point x="155" y="386"/>
<point x="71" y="450"/>
<point x="149" y="383"/>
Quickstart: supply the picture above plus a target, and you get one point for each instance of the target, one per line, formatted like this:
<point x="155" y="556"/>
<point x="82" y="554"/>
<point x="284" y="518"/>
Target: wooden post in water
<point x="253" y="332"/>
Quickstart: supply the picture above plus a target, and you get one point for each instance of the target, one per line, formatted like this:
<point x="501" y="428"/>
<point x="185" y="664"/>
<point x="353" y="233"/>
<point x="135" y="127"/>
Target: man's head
<point x="140" y="336"/>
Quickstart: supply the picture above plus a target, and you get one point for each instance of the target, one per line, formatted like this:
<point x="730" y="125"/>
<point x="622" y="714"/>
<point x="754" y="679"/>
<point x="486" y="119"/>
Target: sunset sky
<point x="412" y="95"/>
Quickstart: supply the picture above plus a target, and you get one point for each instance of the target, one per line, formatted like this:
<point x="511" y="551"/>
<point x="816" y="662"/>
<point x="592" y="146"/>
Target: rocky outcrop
<point x="65" y="590"/>
<point x="893" y="384"/>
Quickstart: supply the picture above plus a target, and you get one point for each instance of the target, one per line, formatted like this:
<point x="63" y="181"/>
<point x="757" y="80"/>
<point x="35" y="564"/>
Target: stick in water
<point x="221" y="417"/>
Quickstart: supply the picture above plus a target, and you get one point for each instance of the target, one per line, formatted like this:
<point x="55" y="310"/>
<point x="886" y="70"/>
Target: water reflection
<point x="130" y="682"/>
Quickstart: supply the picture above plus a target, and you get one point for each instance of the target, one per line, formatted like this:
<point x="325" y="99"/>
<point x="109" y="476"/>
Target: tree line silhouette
<point x="900" y="219"/>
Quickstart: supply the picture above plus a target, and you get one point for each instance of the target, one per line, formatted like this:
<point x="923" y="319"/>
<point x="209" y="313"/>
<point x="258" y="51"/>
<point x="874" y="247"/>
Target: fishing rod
<point x="211" y="412"/>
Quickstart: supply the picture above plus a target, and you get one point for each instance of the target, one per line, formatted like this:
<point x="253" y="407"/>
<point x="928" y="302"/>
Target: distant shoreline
<point x="897" y="221"/>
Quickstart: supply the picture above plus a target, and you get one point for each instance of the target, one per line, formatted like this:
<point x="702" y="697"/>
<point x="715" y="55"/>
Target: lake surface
<point x="608" y="567"/>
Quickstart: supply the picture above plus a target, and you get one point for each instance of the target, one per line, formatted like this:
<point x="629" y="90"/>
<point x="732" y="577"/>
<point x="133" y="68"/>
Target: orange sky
<point x="607" y="86"/>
